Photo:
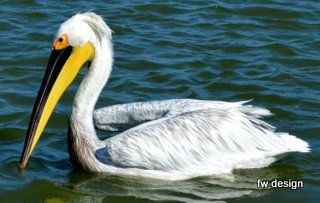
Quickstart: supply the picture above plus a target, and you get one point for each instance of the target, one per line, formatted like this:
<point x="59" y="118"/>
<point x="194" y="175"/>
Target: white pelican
<point x="170" y="139"/>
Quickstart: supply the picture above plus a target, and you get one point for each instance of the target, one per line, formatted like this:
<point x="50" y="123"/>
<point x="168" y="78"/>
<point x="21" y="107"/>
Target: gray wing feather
<point x="124" y="116"/>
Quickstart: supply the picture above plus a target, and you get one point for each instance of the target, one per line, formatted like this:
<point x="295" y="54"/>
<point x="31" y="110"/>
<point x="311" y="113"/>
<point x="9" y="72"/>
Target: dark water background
<point x="218" y="50"/>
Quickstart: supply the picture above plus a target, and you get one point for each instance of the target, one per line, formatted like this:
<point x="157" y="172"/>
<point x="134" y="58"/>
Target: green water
<point x="217" y="50"/>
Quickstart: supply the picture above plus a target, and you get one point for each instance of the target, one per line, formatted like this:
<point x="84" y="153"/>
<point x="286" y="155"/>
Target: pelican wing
<point x="124" y="116"/>
<point x="202" y="135"/>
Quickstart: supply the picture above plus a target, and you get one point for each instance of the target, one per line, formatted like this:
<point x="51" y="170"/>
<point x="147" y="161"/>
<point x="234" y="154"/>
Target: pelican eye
<point x="60" y="39"/>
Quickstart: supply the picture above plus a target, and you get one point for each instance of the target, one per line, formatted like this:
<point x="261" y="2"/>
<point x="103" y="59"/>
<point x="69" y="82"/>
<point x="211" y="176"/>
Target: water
<point x="219" y="50"/>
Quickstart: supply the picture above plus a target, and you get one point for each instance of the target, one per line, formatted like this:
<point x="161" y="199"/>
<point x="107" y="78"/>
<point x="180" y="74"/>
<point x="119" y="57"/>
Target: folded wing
<point x="201" y="135"/>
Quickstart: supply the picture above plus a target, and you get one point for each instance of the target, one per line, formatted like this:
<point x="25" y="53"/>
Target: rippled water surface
<point x="218" y="50"/>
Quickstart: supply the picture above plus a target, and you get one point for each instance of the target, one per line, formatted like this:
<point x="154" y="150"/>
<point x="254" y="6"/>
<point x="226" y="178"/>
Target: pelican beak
<point x="63" y="66"/>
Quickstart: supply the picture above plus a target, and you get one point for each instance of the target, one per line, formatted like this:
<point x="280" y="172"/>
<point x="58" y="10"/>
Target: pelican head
<point x="77" y="41"/>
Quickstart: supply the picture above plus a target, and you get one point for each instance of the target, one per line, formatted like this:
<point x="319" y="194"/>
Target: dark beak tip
<point x="21" y="166"/>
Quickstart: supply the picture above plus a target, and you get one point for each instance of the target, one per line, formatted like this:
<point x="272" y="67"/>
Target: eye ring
<point x="61" y="41"/>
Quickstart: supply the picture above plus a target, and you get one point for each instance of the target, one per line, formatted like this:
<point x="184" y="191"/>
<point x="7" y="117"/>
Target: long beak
<point x="63" y="66"/>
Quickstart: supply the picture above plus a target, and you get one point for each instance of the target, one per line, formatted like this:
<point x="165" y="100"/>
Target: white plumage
<point x="171" y="139"/>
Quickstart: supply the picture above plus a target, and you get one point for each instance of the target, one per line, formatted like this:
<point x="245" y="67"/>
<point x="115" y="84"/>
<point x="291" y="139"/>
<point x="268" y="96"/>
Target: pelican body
<point x="170" y="139"/>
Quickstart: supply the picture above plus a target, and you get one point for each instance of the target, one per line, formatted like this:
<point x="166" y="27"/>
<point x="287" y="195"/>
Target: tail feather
<point x="292" y="142"/>
<point x="295" y="144"/>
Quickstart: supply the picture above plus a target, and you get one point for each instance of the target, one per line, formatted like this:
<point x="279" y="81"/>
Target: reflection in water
<point x="54" y="200"/>
<point x="105" y="186"/>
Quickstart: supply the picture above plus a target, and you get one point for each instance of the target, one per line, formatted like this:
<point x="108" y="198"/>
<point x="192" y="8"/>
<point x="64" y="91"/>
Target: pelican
<point x="170" y="139"/>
